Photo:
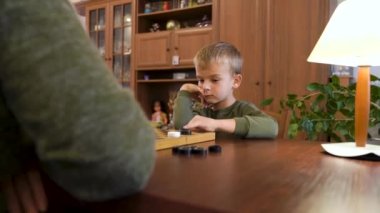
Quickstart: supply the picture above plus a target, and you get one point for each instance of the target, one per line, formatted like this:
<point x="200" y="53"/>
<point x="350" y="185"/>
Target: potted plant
<point x="328" y="109"/>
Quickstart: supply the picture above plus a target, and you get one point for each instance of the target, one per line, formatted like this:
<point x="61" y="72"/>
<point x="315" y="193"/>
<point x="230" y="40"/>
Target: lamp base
<point x="349" y="149"/>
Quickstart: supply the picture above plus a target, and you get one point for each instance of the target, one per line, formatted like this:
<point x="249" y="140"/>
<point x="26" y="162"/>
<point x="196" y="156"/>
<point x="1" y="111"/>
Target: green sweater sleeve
<point x="90" y="135"/>
<point x="254" y="124"/>
<point x="256" y="127"/>
<point x="183" y="111"/>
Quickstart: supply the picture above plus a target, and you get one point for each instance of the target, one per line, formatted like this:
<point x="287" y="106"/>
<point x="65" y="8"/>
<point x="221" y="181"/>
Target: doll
<point x="159" y="115"/>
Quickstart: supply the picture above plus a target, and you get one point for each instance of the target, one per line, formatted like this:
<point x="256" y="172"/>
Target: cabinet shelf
<point x="188" y="11"/>
<point x="187" y="17"/>
<point x="97" y="30"/>
<point x="127" y="53"/>
<point x="168" y="76"/>
<point x="149" y="69"/>
<point x="167" y="80"/>
<point x="122" y="26"/>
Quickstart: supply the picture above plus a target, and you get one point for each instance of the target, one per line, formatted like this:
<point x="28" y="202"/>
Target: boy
<point x="218" y="70"/>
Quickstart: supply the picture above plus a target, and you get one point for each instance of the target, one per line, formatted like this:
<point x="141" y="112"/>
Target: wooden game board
<point x="164" y="142"/>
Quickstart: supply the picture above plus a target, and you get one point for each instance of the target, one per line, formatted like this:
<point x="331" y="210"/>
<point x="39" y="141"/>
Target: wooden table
<point x="257" y="176"/>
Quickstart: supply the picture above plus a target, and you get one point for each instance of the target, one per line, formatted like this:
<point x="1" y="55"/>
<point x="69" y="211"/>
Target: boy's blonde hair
<point x="219" y="52"/>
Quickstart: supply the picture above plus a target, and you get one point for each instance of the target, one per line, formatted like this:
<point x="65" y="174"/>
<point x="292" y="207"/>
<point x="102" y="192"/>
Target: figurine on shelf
<point x="175" y="4"/>
<point x="183" y="4"/>
<point x="205" y="22"/>
<point x="148" y="8"/>
<point x="172" y="25"/>
<point x="159" y="115"/>
<point x="165" y="5"/>
<point x="172" y="97"/>
<point x="155" y="27"/>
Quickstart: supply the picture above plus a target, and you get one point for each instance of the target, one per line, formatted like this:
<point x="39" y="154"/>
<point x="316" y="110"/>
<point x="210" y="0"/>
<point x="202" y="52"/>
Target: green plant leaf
<point x="319" y="98"/>
<point x="374" y="78"/>
<point x="266" y="102"/>
<point x="331" y="107"/>
<point x="335" y="80"/>
<point x="319" y="127"/>
<point x="293" y="130"/>
<point x="335" y="137"/>
<point x="313" y="87"/>
<point x="346" y="112"/>
<point x="292" y="96"/>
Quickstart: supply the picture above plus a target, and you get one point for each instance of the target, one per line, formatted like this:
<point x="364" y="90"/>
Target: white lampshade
<point x="352" y="35"/>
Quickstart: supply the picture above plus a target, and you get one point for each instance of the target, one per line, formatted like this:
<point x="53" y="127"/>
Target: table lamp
<point x="352" y="38"/>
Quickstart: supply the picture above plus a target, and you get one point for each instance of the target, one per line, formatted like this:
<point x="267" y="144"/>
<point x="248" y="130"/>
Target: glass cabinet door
<point x="110" y="28"/>
<point x="121" y="45"/>
<point x="97" y="29"/>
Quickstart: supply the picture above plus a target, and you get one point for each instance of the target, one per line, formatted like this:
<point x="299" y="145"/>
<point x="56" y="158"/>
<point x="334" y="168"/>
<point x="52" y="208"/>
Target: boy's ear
<point x="237" y="80"/>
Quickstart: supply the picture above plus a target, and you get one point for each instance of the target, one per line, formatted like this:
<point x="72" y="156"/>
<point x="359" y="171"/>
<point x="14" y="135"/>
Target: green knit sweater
<point x="250" y="121"/>
<point x="59" y="102"/>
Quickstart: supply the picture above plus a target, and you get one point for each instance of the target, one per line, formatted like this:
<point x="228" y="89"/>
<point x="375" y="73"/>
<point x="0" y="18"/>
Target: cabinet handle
<point x="269" y="82"/>
<point x="257" y="83"/>
<point x="167" y="49"/>
<point x="176" y="48"/>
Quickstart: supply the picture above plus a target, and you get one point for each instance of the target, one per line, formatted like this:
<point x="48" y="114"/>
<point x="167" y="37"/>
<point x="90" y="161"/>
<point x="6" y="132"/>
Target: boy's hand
<point x="202" y="123"/>
<point x="25" y="193"/>
<point x="192" y="88"/>
<point x="196" y="92"/>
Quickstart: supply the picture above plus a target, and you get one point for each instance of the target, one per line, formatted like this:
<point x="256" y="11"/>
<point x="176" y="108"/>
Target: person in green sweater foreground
<point x="62" y="113"/>
<point x="218" y="70"/>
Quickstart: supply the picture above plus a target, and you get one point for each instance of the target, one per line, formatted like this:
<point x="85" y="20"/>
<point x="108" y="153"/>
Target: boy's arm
<point x="90" y="135"/>
<point x="183" y="111"/>
<point x="183" y="105"/>
<point x="256" y="124"/>
<point x="211" y="125"/>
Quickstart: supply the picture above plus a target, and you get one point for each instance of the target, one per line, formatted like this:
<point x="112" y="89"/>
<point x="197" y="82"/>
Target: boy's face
<point x="217" y="84"/>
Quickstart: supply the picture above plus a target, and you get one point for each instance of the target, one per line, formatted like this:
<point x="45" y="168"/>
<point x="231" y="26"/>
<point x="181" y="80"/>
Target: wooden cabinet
<point x="188" y="42"/>
<point x="164" y="54"/>
<point x="170" y="48"/>
<point x="153" y="49"/>
<point x="110" y="27"/>
<point x="275" y="38"/>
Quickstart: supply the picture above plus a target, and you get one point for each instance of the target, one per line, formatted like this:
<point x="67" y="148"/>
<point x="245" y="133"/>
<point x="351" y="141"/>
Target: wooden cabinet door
<point x="293" y="30"/>
<point x="188" y="42"/>
<point x="153" y="49"/>
<point x="97" y="24"/>
<point x="275" y="39"/>
<point x="243" y="23"/>
<point x="158" y="49"/>
<point x="109" y="24"/>
<point x="120" y="36"/>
